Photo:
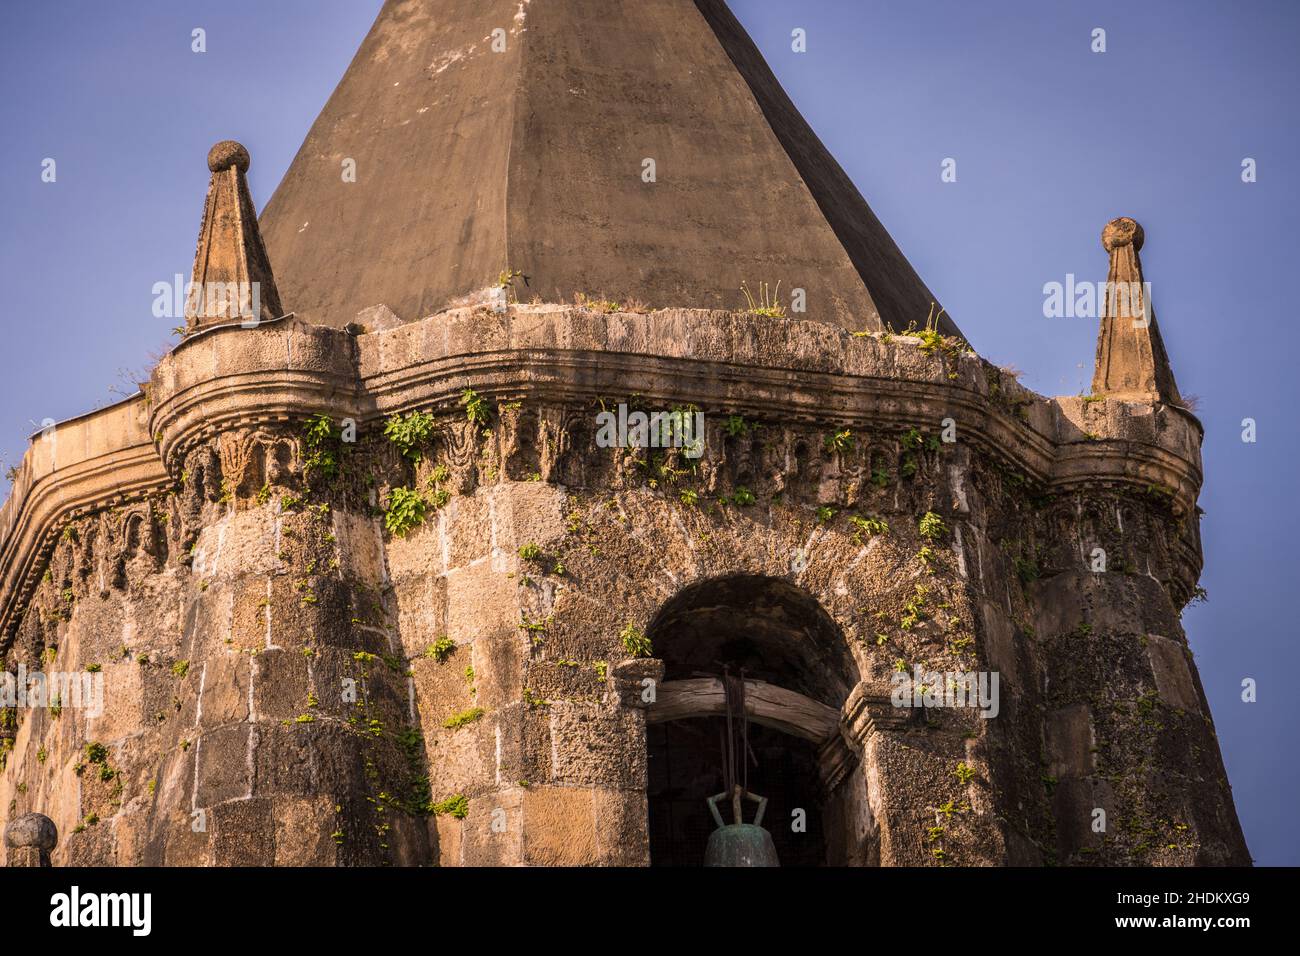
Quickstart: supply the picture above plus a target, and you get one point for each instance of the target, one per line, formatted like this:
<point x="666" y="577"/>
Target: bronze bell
<point x="739" y="843"/>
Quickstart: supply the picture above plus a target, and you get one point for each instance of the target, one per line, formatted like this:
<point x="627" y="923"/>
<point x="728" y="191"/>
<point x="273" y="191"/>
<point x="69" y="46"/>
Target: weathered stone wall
<point x="499" y="714"/>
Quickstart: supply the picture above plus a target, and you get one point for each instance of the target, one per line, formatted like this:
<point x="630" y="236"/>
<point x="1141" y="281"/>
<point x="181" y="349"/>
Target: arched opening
<point x="798" y="672"/>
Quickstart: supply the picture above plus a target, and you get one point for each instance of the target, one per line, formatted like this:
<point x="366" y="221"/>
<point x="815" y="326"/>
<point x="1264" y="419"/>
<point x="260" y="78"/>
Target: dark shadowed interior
<point x="685" y="768"/>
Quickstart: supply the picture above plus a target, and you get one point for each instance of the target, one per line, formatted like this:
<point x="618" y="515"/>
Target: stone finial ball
<point x="228" y="153"/>
<point x="31" y="829"/>
<point x="1121" y="232"/>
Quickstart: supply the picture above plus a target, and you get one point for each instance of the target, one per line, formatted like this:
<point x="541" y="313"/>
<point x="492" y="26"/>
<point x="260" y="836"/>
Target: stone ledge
<point x="792" y="370"/>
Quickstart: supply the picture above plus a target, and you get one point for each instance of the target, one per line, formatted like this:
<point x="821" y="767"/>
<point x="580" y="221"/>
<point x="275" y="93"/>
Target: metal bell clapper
<point x="739" y="843"/>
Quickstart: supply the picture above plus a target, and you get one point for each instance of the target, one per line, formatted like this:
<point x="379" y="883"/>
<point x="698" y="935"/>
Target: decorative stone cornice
<point x="796" y="372"/>
<point x="98" y="460"/>
<point x="234" y="377"/>
<point x="869" y="709"/>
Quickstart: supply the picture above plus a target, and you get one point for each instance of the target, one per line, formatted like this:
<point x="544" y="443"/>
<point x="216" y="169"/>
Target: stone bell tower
<point x="433" y="543"/>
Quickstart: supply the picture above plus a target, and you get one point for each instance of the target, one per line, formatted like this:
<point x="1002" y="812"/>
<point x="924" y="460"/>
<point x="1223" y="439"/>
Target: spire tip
<point x="228" y="153"/>
<point x="1121" y="232"/>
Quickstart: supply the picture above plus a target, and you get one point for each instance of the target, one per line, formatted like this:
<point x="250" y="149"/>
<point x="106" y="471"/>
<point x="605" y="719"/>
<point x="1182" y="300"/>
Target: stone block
<point x="481" y="600"/>
<point x="1069" y="741"/>
<point x="494" y="831"/>
<point x="1173" y="673"/>
<point x="1074" y="805"/>
<point x="622" y="827"/>
<point x="469" y="528"/>
<point x="302" y="831"/>
<point x="223" y="764"/>
<point x="421" y="611"/>
<point x="243" y="832"/>
<point x="593" y="747"/>
<point x="225" y="679"/>
<point x="560" y="827"/>
<point x="280" y="684"/>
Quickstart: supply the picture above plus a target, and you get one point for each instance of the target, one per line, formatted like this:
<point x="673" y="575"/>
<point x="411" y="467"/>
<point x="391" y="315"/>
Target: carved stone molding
<point x="230" y="380"/>
<point x="870" y="710"/>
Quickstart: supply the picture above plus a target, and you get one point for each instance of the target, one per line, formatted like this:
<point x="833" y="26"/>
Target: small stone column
<point x="30" y="839"/>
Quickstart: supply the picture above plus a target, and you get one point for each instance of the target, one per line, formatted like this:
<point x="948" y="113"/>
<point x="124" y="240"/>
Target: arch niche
<point x="798" y="673"/>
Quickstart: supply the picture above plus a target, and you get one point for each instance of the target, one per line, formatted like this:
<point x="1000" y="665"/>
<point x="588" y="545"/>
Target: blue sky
<point x="1051" y="141"/>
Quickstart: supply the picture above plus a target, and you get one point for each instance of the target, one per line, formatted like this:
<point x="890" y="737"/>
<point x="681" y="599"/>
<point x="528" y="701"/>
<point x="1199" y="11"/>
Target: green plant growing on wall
<point x="964" y="773"/>
<point x="1026" y="569"/>
<point x="320" y="437"/>
<point x="931" y="526"/>
<point x="441" y="649"/>
<point x="405" y="511"/>
<point x="933" y="340"/>
<point x="530" y="626"/>
<point x="743" y="497"/>
<point x="181" y="668"/>
<point x="456" y="721"/>
<point x="825" y="513"/>
<point x="597" y="304"/>
<point x="840" y="440"/>
<point x="912" y="442"/>
<point x="96" y="753"/>
<point x="735" y="426"/>
<point x="767" y="303"/>
<point x="914" y="608"/>
<point x="532" y="700"/>
<point x="455" y="806"/>
<point x="635" y="641"/>
<point x="410" y="433"/>
<point x="530" y="552"/>
<point x="867" y="526"/>
<point x="476" y="407"/>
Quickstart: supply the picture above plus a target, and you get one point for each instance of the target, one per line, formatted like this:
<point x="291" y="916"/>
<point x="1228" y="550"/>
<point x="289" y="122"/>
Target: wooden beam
<point x="767" y="704"/>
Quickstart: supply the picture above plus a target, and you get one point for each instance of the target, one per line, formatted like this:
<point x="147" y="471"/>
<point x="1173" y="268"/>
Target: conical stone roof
<point x="489" y="136"/>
